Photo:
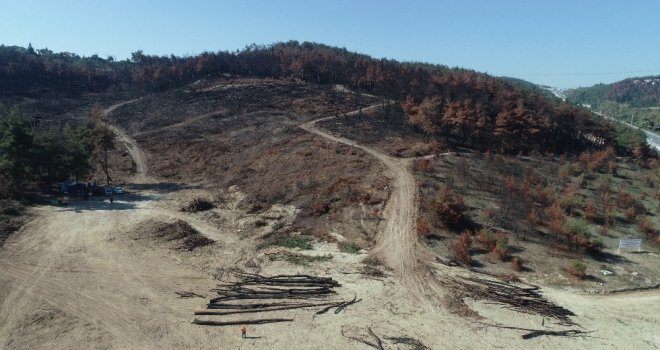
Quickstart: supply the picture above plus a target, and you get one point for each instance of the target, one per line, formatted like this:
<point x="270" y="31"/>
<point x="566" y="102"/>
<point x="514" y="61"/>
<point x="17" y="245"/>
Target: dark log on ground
<point x="267" y="290"/>
<point x="234" y="323"/>
<point x="568" y="333"/>
<point x="533" y="333"/>
<point x="255" y="310"/>
<point x="269" y="296"/>
<point x="280" y="278"/>
<point x="185" y="294"/>
<point x="245" y="306"/>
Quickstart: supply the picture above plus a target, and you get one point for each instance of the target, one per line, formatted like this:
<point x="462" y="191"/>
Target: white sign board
<point x="630" y="244"/>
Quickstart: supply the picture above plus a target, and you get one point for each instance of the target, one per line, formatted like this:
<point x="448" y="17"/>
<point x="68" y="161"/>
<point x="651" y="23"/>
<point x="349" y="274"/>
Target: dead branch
<point x="533" y="333"/>
<point x="185" y="294"/>
<point x="233" y="323"/>
<point x="416" y="344"/>
<point x="377" y="345"/>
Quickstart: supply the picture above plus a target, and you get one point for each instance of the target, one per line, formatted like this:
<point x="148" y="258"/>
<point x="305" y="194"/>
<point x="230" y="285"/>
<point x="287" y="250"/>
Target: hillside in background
<point x="633" y="100"/>
<point x="459" y="107"/>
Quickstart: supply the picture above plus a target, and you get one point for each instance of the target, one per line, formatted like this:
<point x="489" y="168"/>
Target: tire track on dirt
<point x="132" y="147"/>
<point x="397" y="242"/>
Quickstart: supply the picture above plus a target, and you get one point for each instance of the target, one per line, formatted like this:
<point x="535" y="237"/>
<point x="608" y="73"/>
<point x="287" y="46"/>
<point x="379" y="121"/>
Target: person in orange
<point x="243" y="331"/>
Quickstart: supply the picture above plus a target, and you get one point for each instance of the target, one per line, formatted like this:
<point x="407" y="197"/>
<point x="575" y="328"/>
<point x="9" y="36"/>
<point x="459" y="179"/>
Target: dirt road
<point x="132" y="147"/>
<point x="397" y="240"/>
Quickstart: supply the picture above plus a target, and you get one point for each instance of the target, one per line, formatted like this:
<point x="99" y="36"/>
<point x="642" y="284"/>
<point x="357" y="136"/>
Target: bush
<point x="577" y="227"/>
<point x="596" y="246"/>
<point x="486" y="239"/>
<point x="630" y="213"/>
<point x="645" y="226"/>
<point x="516" y="263"/>
<point x="533" y="218"/>
<point x="351" y="248"/>
<point x="556" y="218"/>
<point x="450" y="208"/>
<point x="578" y="269"/>
<point x="423" y="228"/>
<point x="590" y="211"/>
<point x="301" y="242"/>
<point x="424" y="166"/>
<point x="198" y="204"/>
<point x="501" y="249"/>
<point x="462" y="247"/>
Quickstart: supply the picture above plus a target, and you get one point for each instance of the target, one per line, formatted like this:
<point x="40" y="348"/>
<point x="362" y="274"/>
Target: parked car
<point x="119" y="190"/>
<point x="108" y="191"/>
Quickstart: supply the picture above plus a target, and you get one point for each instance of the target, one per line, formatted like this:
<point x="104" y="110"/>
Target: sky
<point x="560" y="43"/>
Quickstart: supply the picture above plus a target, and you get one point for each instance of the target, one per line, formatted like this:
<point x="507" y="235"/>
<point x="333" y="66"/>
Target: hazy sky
<point x="563" y="43"/>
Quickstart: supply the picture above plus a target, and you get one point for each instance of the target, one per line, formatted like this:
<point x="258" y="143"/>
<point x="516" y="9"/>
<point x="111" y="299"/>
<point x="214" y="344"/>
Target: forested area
<point x="33" y="156"/>
<point x="636" y="92"/>
<point x="463" y="106"/>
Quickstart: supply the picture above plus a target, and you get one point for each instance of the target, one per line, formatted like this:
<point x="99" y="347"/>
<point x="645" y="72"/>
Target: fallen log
<point x="245" y="306"/>
<point x="244" y="311"/>
<point x="234" y="323"/>
<point x="340" y="306"/>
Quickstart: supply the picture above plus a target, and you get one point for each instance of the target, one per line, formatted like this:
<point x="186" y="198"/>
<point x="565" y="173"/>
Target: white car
<point x="119" y="190"/>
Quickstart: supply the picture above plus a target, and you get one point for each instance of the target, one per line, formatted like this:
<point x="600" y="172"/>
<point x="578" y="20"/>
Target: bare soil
<point x="90" y="275"/>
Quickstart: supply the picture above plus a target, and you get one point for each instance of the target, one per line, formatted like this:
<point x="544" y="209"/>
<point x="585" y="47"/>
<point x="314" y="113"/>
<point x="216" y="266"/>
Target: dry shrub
<point x="601" y="161"/>
<point x="462" y="247"/>
<point x="516" y="263"/>
<point x="450" y="208"/>
<point x="184" y="236"/>
<point x="423" y="228"/>
<point x="590" y="211"/>
<point x="556" y="218"/>
<point x="630" y="213"/>
<point x="533" y="218"/>
<point x="625" y="200"/>
<point x="578" y="269"/>
<point x="542" y="195"/>
<point x="611" y="167"/>
<point x="501" y="249"/>
<point x="486" y="239"/>
<point x="424" y="166"/>
<point x="644" y="225"/>
<point x="198" y="204"/>
<point x="319" y="208"/>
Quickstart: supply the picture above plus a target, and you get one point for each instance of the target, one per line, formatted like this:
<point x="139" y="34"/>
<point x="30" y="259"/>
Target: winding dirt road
<point x="397" y="242"/>
<point x="132" y="147"/>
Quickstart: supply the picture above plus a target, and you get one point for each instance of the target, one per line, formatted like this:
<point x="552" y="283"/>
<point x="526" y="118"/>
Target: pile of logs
<point x="522" y="299"/>
<point x="253" y="293"/>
